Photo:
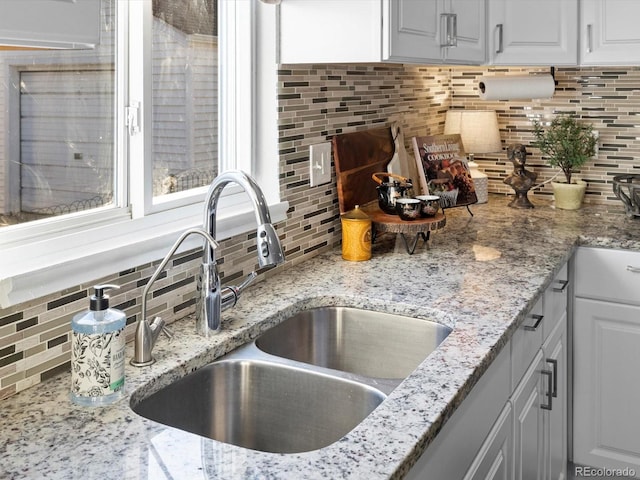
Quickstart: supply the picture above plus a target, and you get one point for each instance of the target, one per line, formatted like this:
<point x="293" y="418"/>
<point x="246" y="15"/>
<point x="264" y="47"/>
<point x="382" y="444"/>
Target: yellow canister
<point x="356" y="235"/>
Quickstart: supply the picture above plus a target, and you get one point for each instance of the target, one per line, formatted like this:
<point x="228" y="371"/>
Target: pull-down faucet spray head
<point x="269" y="249"/>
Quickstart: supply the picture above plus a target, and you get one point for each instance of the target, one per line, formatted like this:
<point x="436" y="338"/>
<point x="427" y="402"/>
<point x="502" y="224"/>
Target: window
<point x="56" y="154"/>
<point x="109" y="150"/>
<point x="62" y="141"/>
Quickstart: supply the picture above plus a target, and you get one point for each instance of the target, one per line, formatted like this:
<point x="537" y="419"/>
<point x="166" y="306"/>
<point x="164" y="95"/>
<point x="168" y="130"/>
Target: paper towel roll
<point x="516" y="87"/>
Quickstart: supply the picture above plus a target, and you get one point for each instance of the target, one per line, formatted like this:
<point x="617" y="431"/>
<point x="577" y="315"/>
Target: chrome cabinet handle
<point x="448" y="29"/>
<point x="453" y="40"/>
<point x="633" y="269"/>
<point x="563" y="286"/>
<point x="589" y="38"/>
<point x="500" y="48"/>
<point x="549" y="393"/>
<point x="534" y="327"/>
<point x="554" y="363"/>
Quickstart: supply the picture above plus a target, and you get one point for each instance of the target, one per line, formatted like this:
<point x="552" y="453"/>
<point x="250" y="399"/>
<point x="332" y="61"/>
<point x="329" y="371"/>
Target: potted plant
<point x="566" y="143"/>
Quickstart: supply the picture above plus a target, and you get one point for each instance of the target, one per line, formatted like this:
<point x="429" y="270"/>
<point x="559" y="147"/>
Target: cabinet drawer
<point x="606" y="274"/>
<point x="526" y="342"/>
<point x="555" y="301"/>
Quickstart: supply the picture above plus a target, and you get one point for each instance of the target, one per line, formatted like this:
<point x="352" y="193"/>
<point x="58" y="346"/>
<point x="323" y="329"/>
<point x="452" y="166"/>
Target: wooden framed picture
<point x="444" y="170"/>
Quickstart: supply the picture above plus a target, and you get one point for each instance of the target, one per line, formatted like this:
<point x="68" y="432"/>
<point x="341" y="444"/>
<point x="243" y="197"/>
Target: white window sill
<point x="51" y="265"/>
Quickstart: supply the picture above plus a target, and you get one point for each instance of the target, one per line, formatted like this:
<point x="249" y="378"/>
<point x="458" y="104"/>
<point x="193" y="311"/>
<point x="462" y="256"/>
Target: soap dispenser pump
<point x="98" y="352"/>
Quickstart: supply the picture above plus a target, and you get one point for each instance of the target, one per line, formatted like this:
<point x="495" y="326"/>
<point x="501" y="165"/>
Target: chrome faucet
<point x="212" y="298"/>
<point x="147" y="333"/>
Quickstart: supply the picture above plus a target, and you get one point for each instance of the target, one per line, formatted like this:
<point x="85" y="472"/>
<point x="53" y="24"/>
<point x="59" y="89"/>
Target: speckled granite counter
<point x="479" y="275"/>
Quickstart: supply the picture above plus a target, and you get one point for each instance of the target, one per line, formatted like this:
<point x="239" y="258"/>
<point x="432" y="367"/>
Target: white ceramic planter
<point x="569" y="196"/>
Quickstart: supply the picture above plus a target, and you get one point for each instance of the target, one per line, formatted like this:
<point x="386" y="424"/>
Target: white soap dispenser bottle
<point x="97" y="352"/>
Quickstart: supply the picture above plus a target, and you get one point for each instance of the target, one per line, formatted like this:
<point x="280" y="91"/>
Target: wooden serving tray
<point x="357" y="156"/>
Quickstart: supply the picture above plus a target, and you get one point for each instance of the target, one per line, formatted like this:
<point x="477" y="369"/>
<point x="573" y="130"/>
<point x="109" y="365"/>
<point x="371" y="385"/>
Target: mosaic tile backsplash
<point x="609" y="98"/>
<point x="317" y="102"/>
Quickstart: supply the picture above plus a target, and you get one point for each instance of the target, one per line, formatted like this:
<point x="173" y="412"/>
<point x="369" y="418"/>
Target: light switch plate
<point x="320" y="163"/>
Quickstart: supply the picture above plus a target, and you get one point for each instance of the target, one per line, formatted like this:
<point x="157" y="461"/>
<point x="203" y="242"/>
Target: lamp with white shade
<point x="479" y="132"/>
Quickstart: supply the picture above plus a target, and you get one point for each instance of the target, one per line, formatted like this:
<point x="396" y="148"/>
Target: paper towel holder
<point x="533" y="85"/>
<point x="552" y="72"/>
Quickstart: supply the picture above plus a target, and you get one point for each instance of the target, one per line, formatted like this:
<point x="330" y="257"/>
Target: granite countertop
<point x="480" y="275"/>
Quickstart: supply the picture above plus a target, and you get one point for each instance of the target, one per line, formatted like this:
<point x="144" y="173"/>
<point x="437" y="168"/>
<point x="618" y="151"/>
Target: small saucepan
<point x="408" y="208"/>
<point x="396" y="187"/>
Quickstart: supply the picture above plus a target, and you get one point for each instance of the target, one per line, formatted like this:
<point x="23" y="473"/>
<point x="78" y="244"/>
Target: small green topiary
<point x="566" y="142"/>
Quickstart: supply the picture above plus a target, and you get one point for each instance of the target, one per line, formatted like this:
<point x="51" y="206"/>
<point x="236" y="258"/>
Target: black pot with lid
<point x="395" y="187"/>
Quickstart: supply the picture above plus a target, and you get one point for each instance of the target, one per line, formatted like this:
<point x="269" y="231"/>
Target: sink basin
<point x="262" y="406"/>
<point x="361" y="342"/>
<point x="300" y="386"/>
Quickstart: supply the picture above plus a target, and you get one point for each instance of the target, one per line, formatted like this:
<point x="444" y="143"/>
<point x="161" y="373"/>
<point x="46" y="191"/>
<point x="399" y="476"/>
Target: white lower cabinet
<point x="513" y="424"/>
<point x="606" y="373"/>
<point x="528" y="426"/>
<point x="458" y="443"/>
<point x="495" y="459"/>
<point x="555" y="450"/>
<point x="540" y="412"/>
<point x="607" y="385"/>
<point x="540" y="398"/>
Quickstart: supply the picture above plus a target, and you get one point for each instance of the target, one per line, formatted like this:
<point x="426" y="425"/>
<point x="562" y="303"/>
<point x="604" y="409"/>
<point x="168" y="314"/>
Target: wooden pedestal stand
<point x="420" y="228"/>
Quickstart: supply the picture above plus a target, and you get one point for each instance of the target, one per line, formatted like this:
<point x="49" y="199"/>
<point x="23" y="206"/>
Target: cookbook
<point x="443" y="169"/>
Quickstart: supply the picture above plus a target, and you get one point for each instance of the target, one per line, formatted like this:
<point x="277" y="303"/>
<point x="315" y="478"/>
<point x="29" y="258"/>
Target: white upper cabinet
<point x="609" y="32"/>
<point x="471" y="23"/>
<point x="412" y="30"/>
<point x="533" y="32"/>
<point x="406" y="31"/>
<point x="466" y="32"/>
<point x="451" y="31"/>
<point x="50" y="23"/>
<point x="317" y="31"/>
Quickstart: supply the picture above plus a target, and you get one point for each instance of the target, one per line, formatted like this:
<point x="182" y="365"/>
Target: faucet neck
<point x="269" y="248"/>
<point x="250" y="187"/>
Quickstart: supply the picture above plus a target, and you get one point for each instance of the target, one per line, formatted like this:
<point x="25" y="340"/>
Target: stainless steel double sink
<point x="301" y="385"/>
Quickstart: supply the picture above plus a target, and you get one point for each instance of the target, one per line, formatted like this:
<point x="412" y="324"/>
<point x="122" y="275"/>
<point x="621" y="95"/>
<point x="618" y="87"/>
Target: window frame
<point x="44" y="257"/>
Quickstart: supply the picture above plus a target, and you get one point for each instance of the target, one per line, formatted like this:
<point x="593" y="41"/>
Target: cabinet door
<point x="555" y="448"/>
<point x="606" y="417"/>
<point x="609" y="32"/>
<point x="528" y="424"/>
<point x="495" y="458"/>
<point x="533" y="32"/>
<point x="471" y="27"/>
<point x="411" y="30"/>
<point x="314" y="31"/>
